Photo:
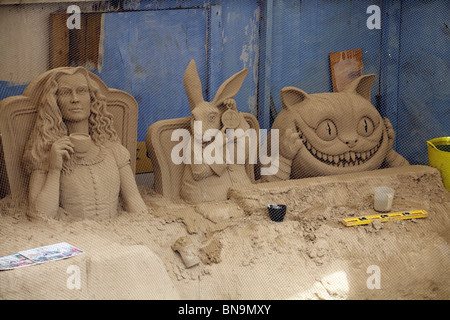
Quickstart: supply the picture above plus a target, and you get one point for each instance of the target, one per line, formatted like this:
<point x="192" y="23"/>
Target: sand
<point x="245" y="255"/>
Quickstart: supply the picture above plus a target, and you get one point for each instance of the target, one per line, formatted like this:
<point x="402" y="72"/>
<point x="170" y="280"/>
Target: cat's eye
<point x="365" y="127"/>
<point x="326" y="130"/>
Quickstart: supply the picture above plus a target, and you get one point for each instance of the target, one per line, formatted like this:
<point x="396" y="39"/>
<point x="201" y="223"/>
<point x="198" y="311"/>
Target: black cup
<point x="277" y="212"/>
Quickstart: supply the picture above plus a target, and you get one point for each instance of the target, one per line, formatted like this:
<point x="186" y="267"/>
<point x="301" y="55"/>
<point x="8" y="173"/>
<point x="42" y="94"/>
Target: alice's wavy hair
<point x="50" y="125"/>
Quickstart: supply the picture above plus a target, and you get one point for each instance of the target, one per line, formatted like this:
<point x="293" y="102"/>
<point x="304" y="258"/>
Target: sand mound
<point x="244" y="255"/>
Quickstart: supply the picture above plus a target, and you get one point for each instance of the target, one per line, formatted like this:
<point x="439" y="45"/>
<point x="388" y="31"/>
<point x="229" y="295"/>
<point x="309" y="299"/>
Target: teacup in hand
<point x="81" y="142"/>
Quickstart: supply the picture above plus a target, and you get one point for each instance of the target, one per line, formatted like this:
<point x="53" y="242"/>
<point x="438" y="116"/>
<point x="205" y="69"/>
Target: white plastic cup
<point x="383" y="198"/>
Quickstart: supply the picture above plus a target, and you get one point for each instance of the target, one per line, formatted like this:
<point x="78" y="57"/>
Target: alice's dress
<point x="90" y="187"/>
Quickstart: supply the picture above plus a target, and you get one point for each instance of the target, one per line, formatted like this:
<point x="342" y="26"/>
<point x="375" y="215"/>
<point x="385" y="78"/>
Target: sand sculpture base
<point x="412" y="184"/>
<point x="245" y="255"/>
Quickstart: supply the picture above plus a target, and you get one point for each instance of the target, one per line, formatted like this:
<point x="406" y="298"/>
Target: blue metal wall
<point x="283" y="43"/>
<point x="148" y="49"/>
<point x="146" y="53"/>
<point x="301" y="35"/>
<point x="423" y="96"/>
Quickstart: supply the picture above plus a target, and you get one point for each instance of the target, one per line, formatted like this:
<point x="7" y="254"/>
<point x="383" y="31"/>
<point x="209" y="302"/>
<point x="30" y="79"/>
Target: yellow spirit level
<point x="385" y="217"/>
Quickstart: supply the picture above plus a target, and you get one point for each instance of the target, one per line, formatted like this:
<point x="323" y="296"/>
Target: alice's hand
<point x="60" y="151"/>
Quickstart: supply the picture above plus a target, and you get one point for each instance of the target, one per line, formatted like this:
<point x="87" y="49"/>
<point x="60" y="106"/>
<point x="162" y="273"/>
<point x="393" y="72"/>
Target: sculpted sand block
<point x="333" y="133"/>
<point x="415" y="186"/>
<point x="83" y="177"/>
<point x="197" y="181"/>
<point x="185" y="248"/>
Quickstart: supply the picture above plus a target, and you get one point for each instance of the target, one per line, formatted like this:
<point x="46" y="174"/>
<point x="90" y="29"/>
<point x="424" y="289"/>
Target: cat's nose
<point x="351" y="142"/>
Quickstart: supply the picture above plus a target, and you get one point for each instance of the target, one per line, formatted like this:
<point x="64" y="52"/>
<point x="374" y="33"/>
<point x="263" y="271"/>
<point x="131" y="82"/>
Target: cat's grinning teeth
<point x="347" y="156"/>
<point x="344" y="160"/>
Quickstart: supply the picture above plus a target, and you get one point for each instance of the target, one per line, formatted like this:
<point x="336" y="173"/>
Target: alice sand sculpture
<point x="74" y="161"/>
<point x="78" y="168"/>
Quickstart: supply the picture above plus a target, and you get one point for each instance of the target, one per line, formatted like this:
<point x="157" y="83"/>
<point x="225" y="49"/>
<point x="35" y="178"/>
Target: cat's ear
<point x="362" y="85"/>
<point x="291" y="96"/>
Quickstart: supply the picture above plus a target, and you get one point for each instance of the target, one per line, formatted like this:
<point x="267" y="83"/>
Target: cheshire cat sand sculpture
<point x="333" y="133"/>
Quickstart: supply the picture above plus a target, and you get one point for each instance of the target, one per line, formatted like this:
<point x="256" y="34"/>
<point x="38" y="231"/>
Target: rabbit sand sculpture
<point x="333" y="133"/>
<point x="204" y="181"/>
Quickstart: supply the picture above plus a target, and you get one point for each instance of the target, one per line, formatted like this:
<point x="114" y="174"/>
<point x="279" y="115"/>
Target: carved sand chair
<point x="18" y="115"/>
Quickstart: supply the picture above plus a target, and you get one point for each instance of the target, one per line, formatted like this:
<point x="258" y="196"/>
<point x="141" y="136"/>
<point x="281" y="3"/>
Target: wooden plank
<point x="59" y="41"/>
<point x="77" y="44"/>
<point x="345" y="67"/>
<point x="93" y="31"/>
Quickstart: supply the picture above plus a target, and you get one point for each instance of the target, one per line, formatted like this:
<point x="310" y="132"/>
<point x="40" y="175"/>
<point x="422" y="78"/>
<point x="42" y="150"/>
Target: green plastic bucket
<point x="439" y="157"/>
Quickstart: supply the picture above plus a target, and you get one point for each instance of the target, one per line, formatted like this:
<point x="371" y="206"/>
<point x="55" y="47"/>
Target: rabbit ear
<point x="230" y="88"/>
<point x="193" y="85"/>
